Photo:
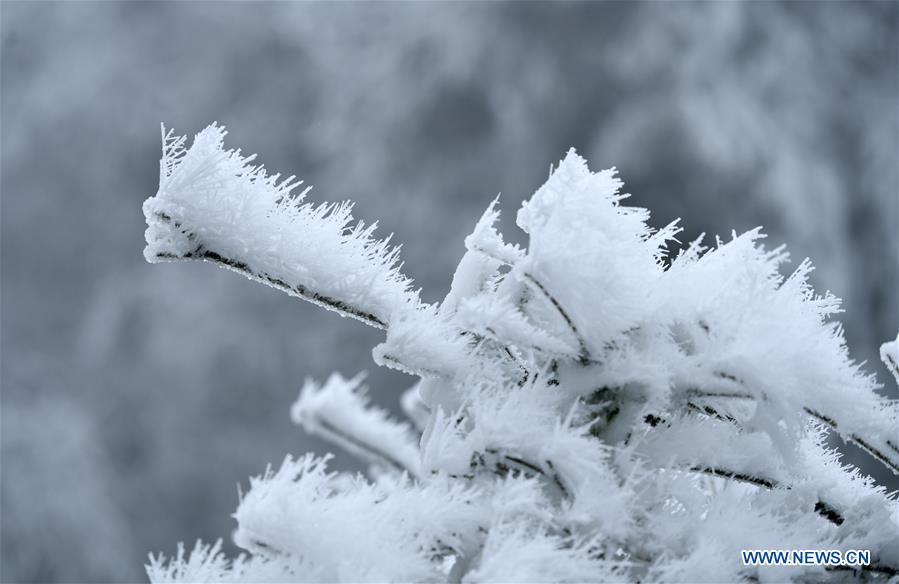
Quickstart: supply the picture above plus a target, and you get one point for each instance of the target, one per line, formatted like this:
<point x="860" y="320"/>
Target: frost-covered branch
<point x="215" y="205"/>
<point x="339" y="411"/>
<point x="889" y="354"/>
<point x="588" y="408"/>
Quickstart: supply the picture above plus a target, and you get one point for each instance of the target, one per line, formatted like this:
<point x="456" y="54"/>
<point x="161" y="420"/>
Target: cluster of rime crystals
<point x="586" y="409"/>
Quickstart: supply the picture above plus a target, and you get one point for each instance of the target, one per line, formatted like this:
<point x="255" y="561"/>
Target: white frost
<point x="588" y="409"/>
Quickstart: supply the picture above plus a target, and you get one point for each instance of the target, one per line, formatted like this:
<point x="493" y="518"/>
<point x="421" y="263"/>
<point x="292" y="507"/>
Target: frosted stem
<point x="201" y="253"/>
<point x="583" y="353"/>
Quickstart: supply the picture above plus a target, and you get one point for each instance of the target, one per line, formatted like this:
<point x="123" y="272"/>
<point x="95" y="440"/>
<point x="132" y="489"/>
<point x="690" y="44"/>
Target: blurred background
<point x="135" y="397"/>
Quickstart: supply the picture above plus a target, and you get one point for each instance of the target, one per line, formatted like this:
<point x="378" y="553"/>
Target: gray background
<point x="136" y="397"/>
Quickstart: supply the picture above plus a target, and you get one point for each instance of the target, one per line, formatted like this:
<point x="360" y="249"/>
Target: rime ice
<point x="585" y="409"/>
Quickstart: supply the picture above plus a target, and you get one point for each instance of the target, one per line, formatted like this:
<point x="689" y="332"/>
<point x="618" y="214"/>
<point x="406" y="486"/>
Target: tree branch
<point x="859" y="441"/>
<point x="338" y="436"/>
<point x="583" y="351"/>
<point x="863" y="443"/>
<point x="200" y="253"/>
